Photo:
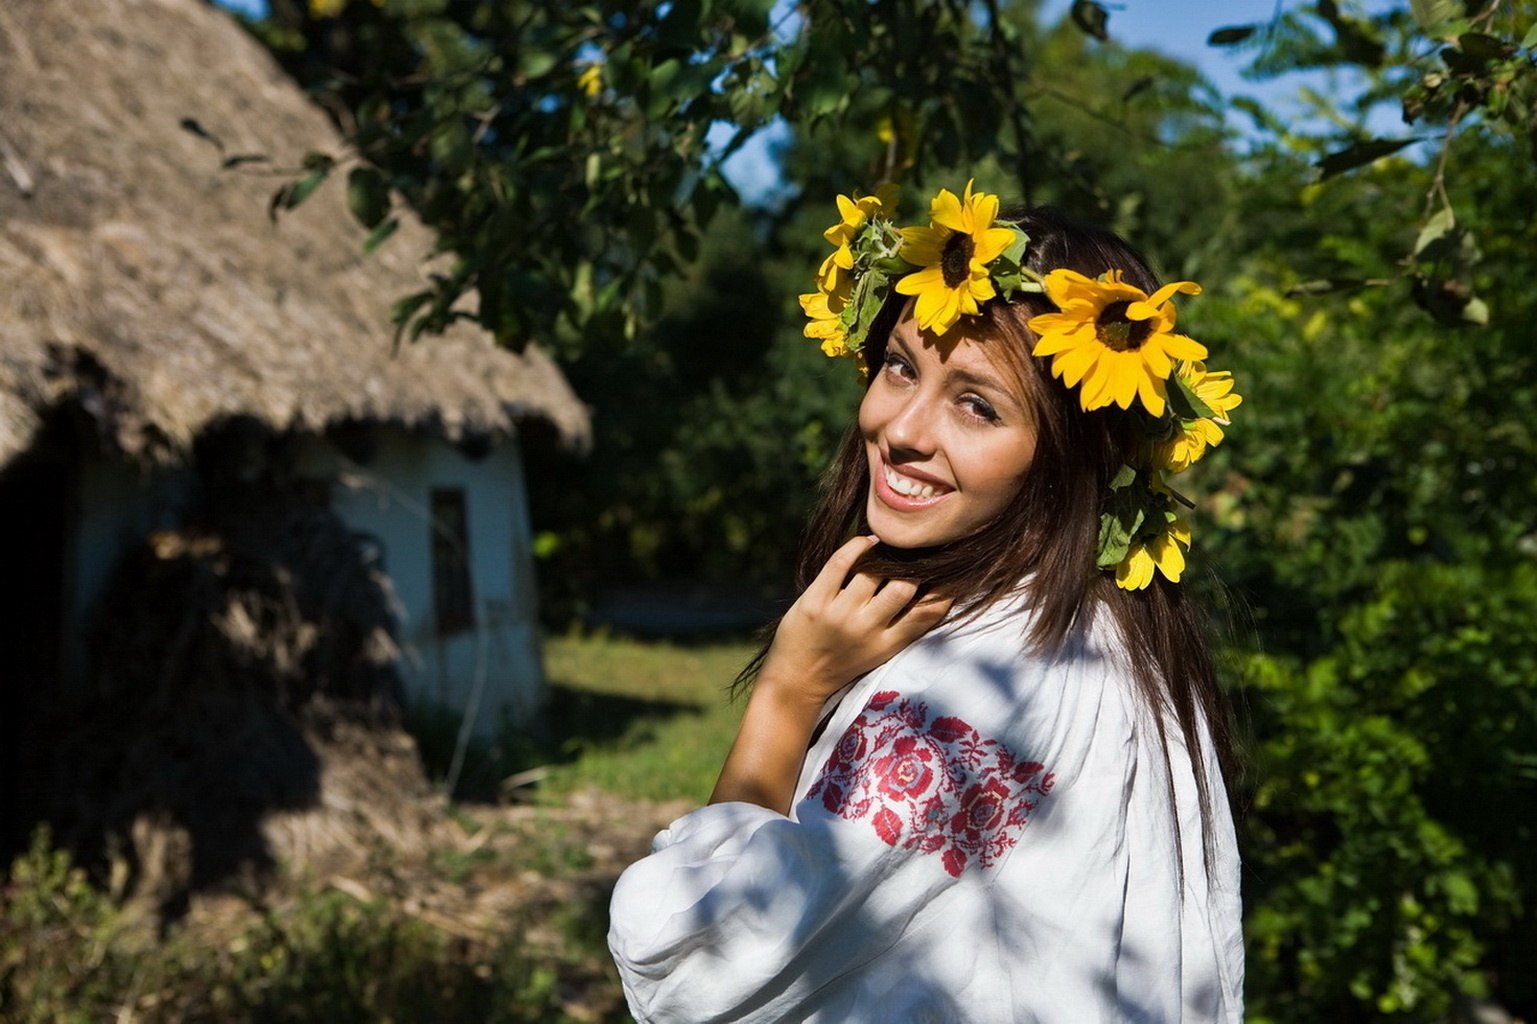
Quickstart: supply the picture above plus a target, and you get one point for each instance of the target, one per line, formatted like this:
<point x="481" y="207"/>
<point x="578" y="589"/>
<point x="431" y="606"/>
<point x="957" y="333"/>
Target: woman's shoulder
<point x="1003" y="634"/>
<point x="986" y="665"/>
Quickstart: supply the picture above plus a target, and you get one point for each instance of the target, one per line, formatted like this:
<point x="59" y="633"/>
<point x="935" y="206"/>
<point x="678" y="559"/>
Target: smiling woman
<point x="948" y="436"/>
<point x="978" y="776"/>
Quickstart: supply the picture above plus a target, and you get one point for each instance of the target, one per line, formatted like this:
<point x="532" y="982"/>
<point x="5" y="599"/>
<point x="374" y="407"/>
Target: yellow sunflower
<point x="1162" y="553"/>
<point x="826" y="324"/>
<point x="953" y="251"/>
<point x="854" y="211"/>
<point x="1113" y="337"/>
<point x="1215" y="388"/>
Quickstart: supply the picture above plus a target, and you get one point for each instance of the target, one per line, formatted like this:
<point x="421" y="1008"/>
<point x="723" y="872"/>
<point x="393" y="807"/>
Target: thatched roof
<point x="145" y="283"/>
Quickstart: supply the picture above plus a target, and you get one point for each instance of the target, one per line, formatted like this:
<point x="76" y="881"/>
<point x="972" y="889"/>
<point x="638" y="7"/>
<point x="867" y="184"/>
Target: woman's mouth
<point x="906" y="493"/>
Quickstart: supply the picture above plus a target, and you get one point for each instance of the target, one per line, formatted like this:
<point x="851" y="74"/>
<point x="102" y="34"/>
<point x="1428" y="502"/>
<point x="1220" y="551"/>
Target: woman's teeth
<point x="910" y="488"/>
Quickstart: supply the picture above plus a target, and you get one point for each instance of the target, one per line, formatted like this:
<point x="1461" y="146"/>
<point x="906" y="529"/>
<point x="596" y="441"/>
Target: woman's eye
<point x="895" y="364"/>
<point x="979" y="407"/>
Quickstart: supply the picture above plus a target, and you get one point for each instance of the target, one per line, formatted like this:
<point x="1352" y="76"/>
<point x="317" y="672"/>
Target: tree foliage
<point x="1371" y="509"/>
<point x="1376" y="520"/>
<point x="569" y="155"/>
<point x="1449" y="67"/>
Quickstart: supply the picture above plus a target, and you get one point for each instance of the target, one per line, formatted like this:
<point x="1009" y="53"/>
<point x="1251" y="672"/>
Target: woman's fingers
<point x="860" y="589"/>
<point x="830" y="580"/>
<point x="921" y="618"/>
<point x="892" y="599"/>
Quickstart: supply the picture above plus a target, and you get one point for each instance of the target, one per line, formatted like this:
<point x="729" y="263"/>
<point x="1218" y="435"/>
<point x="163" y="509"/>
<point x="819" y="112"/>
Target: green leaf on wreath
<point x="1185" y="403"/>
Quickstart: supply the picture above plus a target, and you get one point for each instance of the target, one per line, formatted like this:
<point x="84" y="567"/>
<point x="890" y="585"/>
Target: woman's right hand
<point x="843" y="625"/>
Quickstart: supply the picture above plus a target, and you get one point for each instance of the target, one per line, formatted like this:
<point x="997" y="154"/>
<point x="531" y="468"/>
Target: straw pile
<point x="143" y="282"/>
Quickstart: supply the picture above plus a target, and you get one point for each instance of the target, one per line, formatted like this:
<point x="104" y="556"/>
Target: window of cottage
<point x="452" y="596"/>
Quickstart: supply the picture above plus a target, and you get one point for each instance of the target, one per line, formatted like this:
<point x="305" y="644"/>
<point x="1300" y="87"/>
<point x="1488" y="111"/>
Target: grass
<point x="642" y="720"/>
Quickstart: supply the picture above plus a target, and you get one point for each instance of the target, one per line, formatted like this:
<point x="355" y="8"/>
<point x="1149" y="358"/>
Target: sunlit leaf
<point x="1439" y="223"/>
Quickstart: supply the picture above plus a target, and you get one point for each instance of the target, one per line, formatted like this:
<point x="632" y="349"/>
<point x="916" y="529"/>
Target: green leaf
<point x="1430" y="14"/>
<point x="1476" y="312"/>
<point x="1231" y="35"/>
<point x="1483" y="47"/>
<point x="1092" y="18"/>
<point x="451" y="146"/>
<point x="1323" y="286"/>
<point x="662" y="75"/>
<point x="367" y="196"/>
<point x="1015" y="253"/>
<point x="1360" y="154"/>
<point x="1442" y="221"/>
<point x="1124" y="477"/>
<point x="379" y="234"/>
<point x="536" y="63"/>
<point x="1185" y="403"/>
<point x="403" y="309"/>
<point x="1118" y="527"/>
<point x="295" y="192"/>
<point x="1529" y="41"/>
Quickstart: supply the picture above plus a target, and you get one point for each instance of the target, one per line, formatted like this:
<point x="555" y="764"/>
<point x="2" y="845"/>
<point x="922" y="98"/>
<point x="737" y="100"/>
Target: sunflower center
<point x="1116" y="331"/>
<point x="955" y="259"/>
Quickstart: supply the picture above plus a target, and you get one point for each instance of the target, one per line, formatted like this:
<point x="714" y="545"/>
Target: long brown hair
<point x="1048" y="535"/>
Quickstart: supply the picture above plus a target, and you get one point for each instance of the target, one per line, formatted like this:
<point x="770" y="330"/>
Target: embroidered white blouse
<point x="980" y="835"/>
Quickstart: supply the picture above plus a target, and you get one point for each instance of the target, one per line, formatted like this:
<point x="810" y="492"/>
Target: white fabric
<point x="1062" y="902"/>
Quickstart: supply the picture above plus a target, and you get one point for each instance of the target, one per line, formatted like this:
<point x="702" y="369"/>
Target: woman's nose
<point x="911" y="428"/>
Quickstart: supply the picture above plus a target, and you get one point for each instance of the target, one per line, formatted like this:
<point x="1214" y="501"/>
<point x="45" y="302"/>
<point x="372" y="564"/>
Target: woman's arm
<point x="841" y="627"/>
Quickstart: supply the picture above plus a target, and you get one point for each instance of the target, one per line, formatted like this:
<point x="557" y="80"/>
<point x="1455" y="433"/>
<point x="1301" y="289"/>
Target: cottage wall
<point x="117" y="504"/>
<point x="385" y="494"/>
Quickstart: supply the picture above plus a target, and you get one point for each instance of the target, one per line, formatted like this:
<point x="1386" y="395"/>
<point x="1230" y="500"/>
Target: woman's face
<point x="949" y="437"/>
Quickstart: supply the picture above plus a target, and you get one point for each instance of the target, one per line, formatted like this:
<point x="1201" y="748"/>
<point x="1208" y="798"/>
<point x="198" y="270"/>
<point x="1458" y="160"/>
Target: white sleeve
<point x="959" y="853"/>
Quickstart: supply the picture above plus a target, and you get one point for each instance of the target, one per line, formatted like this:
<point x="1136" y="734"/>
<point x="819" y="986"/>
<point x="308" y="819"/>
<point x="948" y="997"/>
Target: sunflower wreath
<point x="1108" y="339"/>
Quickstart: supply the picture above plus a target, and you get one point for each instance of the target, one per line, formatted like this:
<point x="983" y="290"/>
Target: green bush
<point x="68" y="953"/>
<point x="1390" y="838"/>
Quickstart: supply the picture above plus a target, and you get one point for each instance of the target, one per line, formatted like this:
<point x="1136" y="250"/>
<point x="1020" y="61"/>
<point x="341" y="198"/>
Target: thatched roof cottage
<point x="160" y="337"/>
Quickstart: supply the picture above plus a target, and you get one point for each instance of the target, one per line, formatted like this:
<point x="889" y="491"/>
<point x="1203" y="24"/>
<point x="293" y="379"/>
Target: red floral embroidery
<point x="930" y="785"/>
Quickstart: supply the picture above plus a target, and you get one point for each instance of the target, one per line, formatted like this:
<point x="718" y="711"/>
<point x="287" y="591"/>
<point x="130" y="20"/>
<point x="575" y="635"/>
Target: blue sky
<point x="1178" y="28"/>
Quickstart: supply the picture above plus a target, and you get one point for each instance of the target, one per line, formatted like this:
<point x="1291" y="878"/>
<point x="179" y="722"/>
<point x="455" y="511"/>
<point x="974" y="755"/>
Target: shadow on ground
<point x="502" y="768"/>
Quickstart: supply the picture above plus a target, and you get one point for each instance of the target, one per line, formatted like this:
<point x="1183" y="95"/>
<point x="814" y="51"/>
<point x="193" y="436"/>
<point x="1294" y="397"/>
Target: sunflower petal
<point x="1074" y="335"/>
<point x="1165" y="293"/>
<point x="991" y="243"/>
<point x="1181" y="347"/>
<point x="923" y="247"/>
<point x="1073" y="363"/>
<point x="1135" y="570"/>
<point x="945" y="211"/>
<point x="1168" y="557"/>
<point x="1152" y="392"/>
<point x="1124" y="374"/>
<point x="1096" y="390"/>
<point x="984" y="209"/>
<point x="1156" y="360"/>
<point x="921" y="282"/>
